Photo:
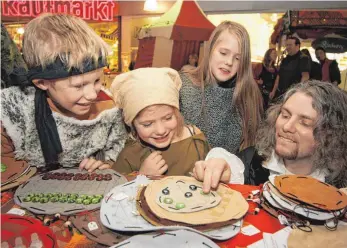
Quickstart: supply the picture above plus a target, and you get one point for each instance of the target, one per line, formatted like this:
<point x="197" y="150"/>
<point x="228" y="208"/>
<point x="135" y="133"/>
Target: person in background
<point x="13" y="68"/>
<point x="316" y="71"/>
<point x="265" y="74"/>
<point x="304" y="134"/>
<point x="294" y="68"/>
<point x="330" y="68"/>
<point x="54" y="119"/>
<point x="133" y="57"/>
<point x="192" y="62"/>
<point x="220" y="96"/>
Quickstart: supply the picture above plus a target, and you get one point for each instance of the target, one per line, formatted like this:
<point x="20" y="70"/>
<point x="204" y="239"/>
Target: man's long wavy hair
<point x="330" y="131"/>
<point x="247" y="97"/>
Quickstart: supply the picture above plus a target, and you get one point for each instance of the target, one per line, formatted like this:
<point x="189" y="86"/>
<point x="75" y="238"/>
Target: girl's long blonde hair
<point x="247" y="97"/>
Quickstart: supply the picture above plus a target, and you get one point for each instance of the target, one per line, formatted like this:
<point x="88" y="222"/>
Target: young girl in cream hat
<point x="161" y="142"/>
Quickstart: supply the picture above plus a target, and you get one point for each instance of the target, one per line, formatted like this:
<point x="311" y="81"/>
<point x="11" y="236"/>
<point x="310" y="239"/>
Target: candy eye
<point x="193" y="187"/>
<point x="165" y="191"/>
<point x="188" y="194"/>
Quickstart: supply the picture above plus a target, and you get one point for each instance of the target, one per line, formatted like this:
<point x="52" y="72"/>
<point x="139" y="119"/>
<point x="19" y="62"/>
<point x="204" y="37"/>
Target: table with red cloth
<point x="262" y="221"/>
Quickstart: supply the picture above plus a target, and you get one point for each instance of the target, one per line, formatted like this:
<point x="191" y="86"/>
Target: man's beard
<point x="292" y="155"/>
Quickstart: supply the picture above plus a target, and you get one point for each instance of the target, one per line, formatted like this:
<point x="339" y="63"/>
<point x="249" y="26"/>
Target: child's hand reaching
<point x="153" y="165"/>
<point x="91" y="164"/>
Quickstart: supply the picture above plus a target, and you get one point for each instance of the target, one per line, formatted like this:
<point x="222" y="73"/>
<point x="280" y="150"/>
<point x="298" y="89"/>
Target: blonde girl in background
<point x="220" y="96"/>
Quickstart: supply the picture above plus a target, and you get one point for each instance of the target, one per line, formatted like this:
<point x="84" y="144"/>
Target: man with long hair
<point x="305" y="133"/>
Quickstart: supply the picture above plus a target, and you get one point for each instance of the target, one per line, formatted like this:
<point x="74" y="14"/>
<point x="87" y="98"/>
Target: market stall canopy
<point x="311" y="24"/>
<point x="184" y="21"/>
<point x="178" y="33"/>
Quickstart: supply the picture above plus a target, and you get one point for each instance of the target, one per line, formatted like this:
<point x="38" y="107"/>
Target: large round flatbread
<point x="67" y="181"/>
<point x="168" y="239"/>
<point x="311" y="191"/>
<point x="24" y="231"/>
<point x="320" y="237"/>
<point x="274" y="190"/>
<point x="143" y="208"/>
<point x="23" y="178"/>
<point x="11" y="173"/>
<point x="232" y="205"/>
<point x="301" y="209"/>
<point x="89" y="224"/>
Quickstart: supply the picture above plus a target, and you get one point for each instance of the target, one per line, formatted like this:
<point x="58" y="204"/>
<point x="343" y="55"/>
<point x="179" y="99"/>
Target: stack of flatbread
<point x="305" y="198"/>
<point x="180" y="201"/>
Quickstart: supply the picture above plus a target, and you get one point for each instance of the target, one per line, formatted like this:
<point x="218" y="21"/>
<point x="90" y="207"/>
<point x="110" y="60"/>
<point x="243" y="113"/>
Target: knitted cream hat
<point x="138" y="89"/>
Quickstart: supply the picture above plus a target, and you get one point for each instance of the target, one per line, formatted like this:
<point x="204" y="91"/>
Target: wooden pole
<point x="120" y="44"/>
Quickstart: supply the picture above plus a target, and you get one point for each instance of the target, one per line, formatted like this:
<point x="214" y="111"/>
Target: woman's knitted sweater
<point x="219" y="121"/>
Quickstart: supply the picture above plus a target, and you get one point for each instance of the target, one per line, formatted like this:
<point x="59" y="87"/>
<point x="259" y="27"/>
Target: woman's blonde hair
<point x="247" y="96"/>
<point x="52" y="36"/>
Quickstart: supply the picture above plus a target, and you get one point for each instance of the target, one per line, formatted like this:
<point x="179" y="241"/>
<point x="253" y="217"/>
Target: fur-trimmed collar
<point x="79" y="139"/>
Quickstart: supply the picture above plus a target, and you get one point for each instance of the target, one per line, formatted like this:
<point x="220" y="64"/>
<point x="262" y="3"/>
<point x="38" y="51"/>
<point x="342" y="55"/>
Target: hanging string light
<point x="20" y="30"/>
<point x="150" y="5"/>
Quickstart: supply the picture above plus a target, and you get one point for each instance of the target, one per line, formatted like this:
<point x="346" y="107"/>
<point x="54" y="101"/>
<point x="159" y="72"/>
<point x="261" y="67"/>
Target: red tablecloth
<point x="263" y="221"/>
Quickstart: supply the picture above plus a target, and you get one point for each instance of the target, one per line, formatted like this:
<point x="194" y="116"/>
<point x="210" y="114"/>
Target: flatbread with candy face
<point x="182" y="196"/>
<point x="143" y="208"/>
<point x="232" y="205"/>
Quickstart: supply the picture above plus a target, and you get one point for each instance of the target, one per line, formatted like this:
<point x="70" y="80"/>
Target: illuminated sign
<point x="331" y="44"/>
<point x="96" y="10"/>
